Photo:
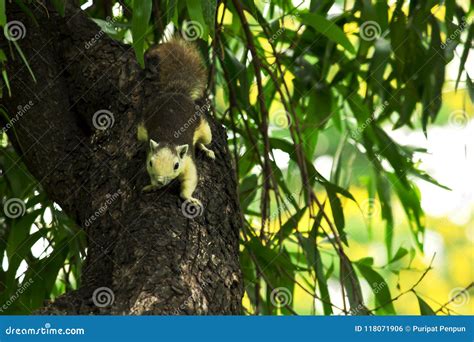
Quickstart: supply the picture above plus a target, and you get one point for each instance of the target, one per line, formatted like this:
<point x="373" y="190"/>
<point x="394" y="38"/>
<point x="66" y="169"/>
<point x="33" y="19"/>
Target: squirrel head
<point x="165" y="162"/>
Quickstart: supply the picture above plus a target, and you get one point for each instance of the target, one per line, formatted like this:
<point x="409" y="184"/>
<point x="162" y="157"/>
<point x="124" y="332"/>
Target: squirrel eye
<point x="150" y="163"/>
<point x="176" y="166"/>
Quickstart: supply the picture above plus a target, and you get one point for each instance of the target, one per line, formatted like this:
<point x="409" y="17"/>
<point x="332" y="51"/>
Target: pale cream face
<point x="165" y="163"/>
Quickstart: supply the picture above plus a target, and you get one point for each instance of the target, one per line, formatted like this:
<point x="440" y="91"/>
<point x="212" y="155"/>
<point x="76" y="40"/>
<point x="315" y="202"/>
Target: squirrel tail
<point x="180" y="68"/>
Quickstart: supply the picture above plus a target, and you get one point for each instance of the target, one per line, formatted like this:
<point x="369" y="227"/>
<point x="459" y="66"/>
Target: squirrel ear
<point x="154" y="145"/>
<point x="182" y="150"/>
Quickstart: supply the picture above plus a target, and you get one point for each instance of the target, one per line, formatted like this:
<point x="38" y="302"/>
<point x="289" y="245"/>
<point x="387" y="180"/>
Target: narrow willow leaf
<point x="410" y="200"/>
<point x="425" y="309"/>
<point x="7" y="83"/>
<point x="290" y="225"/>
<point x="399" y="255"/>
<point x="320" y="108"/>
<point x="247" y="191"/>
<point x="195" y="11"/>
<point x="465" y="53"/>
<point x="322" y="282"/>
<point x="140" y="20"/>
<point x="209" y="13"/>
<point x="23" y="58"/>
<point x="385" y="197"/>
<point x="329" y="29"/>
<point x="352" y="286"/>
<point x="379" y="287"/>
<point x="3" y="15"/>
<point x="470" y="88"/>
<point x="337" y="213"/>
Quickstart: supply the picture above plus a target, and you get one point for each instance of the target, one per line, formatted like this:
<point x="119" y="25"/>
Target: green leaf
<point x="209" y="13"/>
<point x="3" y="15"/>
<point x="195" y="11"/>
<point x="378" y="64"/>
<point x="352" y="286"/>
<point x="400" y="254"/>
<point x="173" y="11"/>
<point x="329" y="29"/>
<point x="23" y="58"/>
<point x="338" y="189"/>
<point x="236" y="73"/>
<point x="44" y="274"/>
<point x="268" y="256"/>
<point x="425" y="309"/>
<point x="465" y="53"/>
<point x="379" y="287"/>
<point x="320" y="108"/>
<point x="322" y="282"/>
<point x="247" y="191"/>
<point x="18" y="242"/>
<point x="337" y="213"/>
<point x="140" y="20"/>
<point x="290" y="196"/>
<point x="470" y="87"/>
<point x="410" y="201"/>
<point x="7" y="83"/>
<point x="60" y="6"/>
<point x="290" y="224"/>
<point x="385" y="198"/>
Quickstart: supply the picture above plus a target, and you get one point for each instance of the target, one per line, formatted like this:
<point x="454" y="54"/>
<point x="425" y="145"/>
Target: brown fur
<point x="173" y="119"/>
<point x="181" y="68"/>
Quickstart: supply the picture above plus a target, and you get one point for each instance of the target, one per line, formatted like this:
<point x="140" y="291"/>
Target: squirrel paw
<point x="193" y="201"/>
<point x="192" y="208"/>
<point x="149" y="188"/>
<point x="210" y="154"/>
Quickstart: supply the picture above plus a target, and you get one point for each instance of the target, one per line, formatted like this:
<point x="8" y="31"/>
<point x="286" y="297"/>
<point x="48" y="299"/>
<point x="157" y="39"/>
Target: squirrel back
<point x="180" y="68"/>
<point x="172" y="114"/>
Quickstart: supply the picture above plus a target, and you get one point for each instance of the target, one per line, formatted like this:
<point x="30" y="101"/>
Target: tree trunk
<point x="146" y="254"/>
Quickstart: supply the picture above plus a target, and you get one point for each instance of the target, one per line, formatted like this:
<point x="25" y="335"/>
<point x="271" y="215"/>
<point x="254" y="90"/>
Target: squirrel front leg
<point x="189" y="180"/>
<point x="203" y="137"/>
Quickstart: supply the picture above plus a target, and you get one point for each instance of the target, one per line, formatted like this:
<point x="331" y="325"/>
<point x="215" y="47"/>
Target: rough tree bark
<point x="153" y="258"/>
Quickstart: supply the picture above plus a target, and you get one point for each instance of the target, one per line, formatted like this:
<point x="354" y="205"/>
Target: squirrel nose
<point x="162" y="180"/>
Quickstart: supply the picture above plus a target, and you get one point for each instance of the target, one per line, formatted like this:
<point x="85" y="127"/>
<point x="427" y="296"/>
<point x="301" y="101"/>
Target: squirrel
<point x="173" y="124"/>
